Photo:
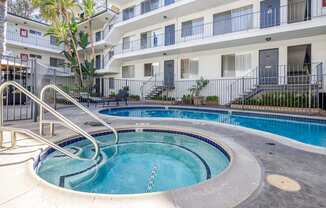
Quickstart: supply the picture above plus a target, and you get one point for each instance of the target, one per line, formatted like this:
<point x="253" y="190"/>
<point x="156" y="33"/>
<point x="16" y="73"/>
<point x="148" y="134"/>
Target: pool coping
<point x="239" y="156"/>
<point x="281" y="139"/>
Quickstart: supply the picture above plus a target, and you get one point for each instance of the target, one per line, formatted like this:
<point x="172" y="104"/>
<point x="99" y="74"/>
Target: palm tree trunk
<point x="78" y="58"/>
<point x="91" y="37"/>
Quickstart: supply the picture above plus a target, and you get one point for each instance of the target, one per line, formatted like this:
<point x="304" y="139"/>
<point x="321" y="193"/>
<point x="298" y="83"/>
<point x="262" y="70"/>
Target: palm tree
<point x="61" y="13"/>
<point x="89" y="10"/>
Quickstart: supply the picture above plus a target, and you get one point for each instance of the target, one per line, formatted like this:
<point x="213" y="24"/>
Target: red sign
<point x="324" y="3"/>
<point x="24" y="57"/>
<point x="23" y="32"/>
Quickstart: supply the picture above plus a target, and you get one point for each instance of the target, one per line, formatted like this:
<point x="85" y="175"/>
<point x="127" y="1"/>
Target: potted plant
<point x="211" y="100"/>
<point x="187" y="99"/>
<point x="195" y="91"/>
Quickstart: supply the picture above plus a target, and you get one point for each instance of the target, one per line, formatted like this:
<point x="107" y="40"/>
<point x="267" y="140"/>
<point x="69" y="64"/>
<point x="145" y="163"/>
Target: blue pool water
<point x="148" y="161"/>
<point x="303" y="130"/>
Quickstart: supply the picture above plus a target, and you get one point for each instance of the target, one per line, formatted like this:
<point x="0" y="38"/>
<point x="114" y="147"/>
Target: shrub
<point x="134" y="97"/>
<point x="212" y="98"/>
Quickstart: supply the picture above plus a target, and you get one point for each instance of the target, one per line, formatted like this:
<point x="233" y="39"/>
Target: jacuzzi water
<point x="307" y="131"/>
<point x="142" y="162"/>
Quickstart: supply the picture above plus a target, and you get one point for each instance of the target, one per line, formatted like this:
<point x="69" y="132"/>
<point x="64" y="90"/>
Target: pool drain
<point x="284" y="183"/>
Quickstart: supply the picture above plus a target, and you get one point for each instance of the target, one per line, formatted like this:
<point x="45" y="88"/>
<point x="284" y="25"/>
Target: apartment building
<point x="175" y="42"/>
<point x="179" y="40"/>
<point x="25" y="39"/>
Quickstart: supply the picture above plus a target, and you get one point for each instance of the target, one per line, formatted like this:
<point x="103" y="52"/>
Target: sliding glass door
<point x="299" y="10"/>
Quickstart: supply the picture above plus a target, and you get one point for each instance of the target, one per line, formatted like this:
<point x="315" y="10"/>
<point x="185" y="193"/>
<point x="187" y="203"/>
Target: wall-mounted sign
<point x="23" y="32"/>
<point x="24" y="56"/>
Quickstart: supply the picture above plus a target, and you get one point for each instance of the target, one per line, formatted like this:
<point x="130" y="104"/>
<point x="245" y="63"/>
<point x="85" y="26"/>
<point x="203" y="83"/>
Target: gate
<point x="16" y="105"/>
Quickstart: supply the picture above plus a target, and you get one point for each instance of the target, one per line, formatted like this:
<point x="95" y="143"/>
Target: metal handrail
<point x="152" y="79"/>
<point x="42" y="140"/>
<point x="59" y="116"/>
<point x="80" y="106"/>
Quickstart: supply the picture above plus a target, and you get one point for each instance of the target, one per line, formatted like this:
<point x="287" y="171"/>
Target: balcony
<point x="228" y="31"/>
<point x="144" y="14"/>
<point x="33" y="41"/>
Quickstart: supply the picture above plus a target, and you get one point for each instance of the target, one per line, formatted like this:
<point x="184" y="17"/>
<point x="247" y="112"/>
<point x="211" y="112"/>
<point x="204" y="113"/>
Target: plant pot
<point x="208" y="102"/>
<point x="198" y="100"/>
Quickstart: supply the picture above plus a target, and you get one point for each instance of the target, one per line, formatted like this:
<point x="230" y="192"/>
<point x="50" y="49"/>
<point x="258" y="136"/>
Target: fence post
<point x="34" y="107"/>
<point x="55" y="92"/>
<point x="243" y="94"/>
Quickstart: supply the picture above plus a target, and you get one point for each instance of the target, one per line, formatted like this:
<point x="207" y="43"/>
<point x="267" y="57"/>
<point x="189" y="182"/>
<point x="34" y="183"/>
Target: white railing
<point x="32" y="40"/>
<point x="72" y="100"/>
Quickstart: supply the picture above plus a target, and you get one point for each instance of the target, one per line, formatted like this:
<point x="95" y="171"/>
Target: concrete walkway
<point x="308" y="169"/>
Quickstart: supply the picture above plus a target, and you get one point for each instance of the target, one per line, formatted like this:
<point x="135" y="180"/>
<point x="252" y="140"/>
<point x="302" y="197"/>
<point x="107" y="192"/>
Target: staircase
<point x="250" y="87"/>
<point x="154" y="92"/>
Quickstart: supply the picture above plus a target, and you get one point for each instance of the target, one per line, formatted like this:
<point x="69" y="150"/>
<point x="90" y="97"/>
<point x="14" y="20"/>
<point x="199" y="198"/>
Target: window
<point x="189" y="68"/>
<point x="111" y="83"/>
<point x="128" y="13"/>
<point x="168" y="2"/>
<point x="192" y="27"/>
<point x="53" y="40"/>
<point x="56" y="62"/>
<point x="146" y="40"/>
<point x="228" y="66"/>
<point x="233" y="20"/>
<point x="324" y="3"/>
<point x="34" y="32"/>
<point x="128" y="71"/>
<point x="149" y="5"/>
<point x="148" y="70"/>
<point x="233" y="65"/>
<point x="98" y="61"/>
<point x="126" y="43"/>
<point x="98" y="36"/>
<point x="35" y="56"/>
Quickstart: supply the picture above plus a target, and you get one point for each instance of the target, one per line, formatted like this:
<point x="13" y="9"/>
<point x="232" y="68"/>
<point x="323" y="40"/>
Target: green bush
<point x="163" y="98"/>
<point x="212" y="98"/>
<point x="134" y="97"/>
<point x="280" y="99"/>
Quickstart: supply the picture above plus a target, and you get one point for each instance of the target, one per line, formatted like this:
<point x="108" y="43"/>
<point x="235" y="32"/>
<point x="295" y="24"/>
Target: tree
<point x="62" y="16"/>
<point x="22" y="8"/>
<point x="89" y="10"/>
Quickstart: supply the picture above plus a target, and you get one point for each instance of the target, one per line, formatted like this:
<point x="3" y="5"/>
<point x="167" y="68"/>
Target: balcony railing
<point x="283" y="15"/>
<point x="143" y="8"/>
<point x="38" y="41"/>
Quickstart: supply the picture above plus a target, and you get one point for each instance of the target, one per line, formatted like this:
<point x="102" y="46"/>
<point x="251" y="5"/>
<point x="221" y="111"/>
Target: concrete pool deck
<point x="307" y="168"/>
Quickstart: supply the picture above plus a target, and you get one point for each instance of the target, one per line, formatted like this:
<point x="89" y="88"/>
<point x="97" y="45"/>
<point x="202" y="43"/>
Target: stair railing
<point x="56" y="114"/>
<point x="152" y="80"/>
<point x="13" y="131"/>
<point x="235" y="92"/>
<point x="72" y="100"/>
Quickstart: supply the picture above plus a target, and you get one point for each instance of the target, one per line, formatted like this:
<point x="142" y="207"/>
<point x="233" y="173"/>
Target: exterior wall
<point x="3" y="15"/>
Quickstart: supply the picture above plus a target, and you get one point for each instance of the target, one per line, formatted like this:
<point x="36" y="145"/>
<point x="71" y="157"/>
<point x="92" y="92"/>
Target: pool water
<point x="305" y="131"/>
<point x="142" y="162"/>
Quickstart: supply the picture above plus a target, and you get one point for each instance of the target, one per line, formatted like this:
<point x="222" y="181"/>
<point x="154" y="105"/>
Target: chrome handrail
<point x="80" y="106"/>
<point x="59" y="116"/>
<point x="42" y="140"/>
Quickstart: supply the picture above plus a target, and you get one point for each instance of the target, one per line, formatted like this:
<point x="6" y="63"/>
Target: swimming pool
<point x="142" y="162"/>
<point x="305" y="130"/>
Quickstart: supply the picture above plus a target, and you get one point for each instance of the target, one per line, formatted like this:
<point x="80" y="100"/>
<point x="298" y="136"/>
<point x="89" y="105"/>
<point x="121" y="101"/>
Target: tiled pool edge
<point x="255" y="173"/>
